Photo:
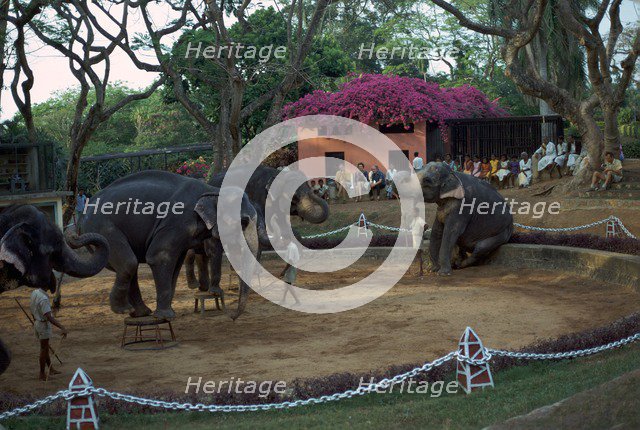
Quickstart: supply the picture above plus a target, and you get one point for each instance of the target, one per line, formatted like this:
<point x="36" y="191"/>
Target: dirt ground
<point x="417" y="320"/>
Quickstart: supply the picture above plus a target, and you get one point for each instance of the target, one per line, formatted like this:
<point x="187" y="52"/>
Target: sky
<point x="52" y="73"/>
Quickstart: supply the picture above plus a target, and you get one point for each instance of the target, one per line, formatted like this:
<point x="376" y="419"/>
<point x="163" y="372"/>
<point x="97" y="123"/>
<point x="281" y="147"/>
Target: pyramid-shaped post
<point x="613" y="228"/>
<point x="81" y="411"/>
<point x="472" y="376"/>
<point x="363" y="225"/>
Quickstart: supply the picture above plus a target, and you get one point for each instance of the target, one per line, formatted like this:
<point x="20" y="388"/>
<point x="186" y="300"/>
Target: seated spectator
<point x="495" y="166"/>
<point x="612" y="172"/>
<point x="314" y="187"/>
<point x="342" y="177"/>
<point x="468" y="165"/>
<point x="438" y="159"/>
<point x="514" y="171"/>
<point x="456" y="165"/>
<point x="485" y="169"/>
<point x="503" y="173"/>
<point x="476" y="166"/>
<point x="376" y="179"/>
<point x="360" y="182"/>
<point x="524" y="178"/>
<point x="323" y="189"/>
<point x="391" y="172"/>
<point x="449" y="162"/>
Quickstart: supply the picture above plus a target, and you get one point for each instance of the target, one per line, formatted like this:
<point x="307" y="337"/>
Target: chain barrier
<point x="363" y="389"/>
<point x="580" y="227"/>
<point x="522" y="226"/>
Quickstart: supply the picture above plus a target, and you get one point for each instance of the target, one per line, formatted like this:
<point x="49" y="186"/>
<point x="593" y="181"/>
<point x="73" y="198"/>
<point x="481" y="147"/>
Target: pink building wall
<point x="318" y="146"/>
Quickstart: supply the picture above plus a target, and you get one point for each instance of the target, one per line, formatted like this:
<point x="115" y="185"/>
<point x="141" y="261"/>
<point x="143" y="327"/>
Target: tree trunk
<point x="611" y="131"/>
<point x="71" y="182"/>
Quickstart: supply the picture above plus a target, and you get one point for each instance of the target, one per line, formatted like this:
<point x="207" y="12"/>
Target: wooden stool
<point x="143" y="325"/>
<point x="201" y="298"/>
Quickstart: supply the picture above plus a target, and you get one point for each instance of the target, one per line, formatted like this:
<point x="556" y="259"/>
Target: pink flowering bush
<point x="387" y="99"/>
<point x="194" y="168"/>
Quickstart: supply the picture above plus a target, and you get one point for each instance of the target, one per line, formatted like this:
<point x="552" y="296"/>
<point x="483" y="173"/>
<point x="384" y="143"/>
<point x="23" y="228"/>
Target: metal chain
<point x="487" y="355"/>
<point x="580" y="227"/>
<point x="63" y="394"/>
<point x="361" y="390"/>
<point x="568" y="354"/>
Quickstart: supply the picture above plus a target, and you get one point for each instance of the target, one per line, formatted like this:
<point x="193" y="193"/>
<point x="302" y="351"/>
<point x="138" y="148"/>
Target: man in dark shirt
<point x="377" y="182"/>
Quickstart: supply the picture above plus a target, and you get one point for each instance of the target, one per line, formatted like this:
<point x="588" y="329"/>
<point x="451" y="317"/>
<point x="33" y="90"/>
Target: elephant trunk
<point x="251" y="233"/>
<point x="5" y="357"/>
<point x="313" y="208"/>
<point x="83" y="267"/>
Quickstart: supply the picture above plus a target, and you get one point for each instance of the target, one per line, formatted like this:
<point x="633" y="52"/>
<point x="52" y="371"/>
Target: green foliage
<point x="630" y="130"/>
<point x="631" y="149"/>
<point x="149" y="123"/>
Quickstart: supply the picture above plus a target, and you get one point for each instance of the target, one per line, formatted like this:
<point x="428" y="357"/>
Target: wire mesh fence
<point x="100" y="171"/>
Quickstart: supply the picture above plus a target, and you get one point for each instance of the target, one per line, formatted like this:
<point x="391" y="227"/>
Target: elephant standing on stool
<point x="160" y="240"/>
<point x="304" y="204"/>
<point x="471" y="215"/>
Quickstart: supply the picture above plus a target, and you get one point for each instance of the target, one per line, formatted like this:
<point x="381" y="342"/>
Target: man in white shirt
<point x="417" y="234"/>
<point x="41" y="311"/>
<point x="290" y="272"/>
<point x="418" y="162"/>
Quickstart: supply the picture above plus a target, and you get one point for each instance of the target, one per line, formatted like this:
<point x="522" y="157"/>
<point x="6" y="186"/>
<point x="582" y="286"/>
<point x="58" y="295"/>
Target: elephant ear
<point x="206" y="208"/>
<point x="14" y="248"/>
<point x="452" y="188"/>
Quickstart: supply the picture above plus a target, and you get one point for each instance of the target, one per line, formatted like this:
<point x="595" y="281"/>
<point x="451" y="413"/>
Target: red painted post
<point x="81" y="411"/>
<point x="470" y="376"/>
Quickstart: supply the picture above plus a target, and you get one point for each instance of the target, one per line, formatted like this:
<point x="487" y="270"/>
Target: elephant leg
<point x="192" y="283"/>
<point x="203" y="271"/>
<point x="165" y="268"/>
<point x="214" y="253"/>
<point x="485" y="247"/>
<point x="140" y="309"/>
<point x="124" y="262"/>
<point x="452" y="231"/>
<point x="435" y="241"/>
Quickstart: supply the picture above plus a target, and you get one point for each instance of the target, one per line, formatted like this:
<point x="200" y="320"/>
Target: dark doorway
<point x="331" y="164"/>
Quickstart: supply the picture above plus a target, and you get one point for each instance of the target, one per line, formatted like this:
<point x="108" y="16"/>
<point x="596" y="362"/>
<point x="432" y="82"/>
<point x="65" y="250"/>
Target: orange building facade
<point x="312" y="143"/>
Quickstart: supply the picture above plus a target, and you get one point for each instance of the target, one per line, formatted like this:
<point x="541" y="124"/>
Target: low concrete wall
<point x="600" y="265"/>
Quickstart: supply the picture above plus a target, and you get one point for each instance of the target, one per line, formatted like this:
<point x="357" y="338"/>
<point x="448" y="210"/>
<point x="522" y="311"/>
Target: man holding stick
<point x="43" y="318"/>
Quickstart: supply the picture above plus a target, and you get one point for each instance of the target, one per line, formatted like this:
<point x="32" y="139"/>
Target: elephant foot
<point x="167" y="314"/>
<point x="216" y="291"/>
<point x="119" y="306"/>
<point x="203" y="287"/>
<point x="140" y="312"/>
<point x="444" y="272"/>
<point x="192" y="284"/>
<point x="433" y="268"/>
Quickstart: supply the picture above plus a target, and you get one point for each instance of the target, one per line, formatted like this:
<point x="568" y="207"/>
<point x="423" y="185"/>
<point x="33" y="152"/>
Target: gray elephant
<point x="128" y="212"/>
<point x="471" y="215"/>
<point x="32" y="247"/>
<point x="304" y="204"/>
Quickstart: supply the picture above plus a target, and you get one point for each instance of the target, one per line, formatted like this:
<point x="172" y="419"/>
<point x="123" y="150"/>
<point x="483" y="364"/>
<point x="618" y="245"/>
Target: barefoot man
<point x="290" y="272"/>
<point x="41" y="311"/>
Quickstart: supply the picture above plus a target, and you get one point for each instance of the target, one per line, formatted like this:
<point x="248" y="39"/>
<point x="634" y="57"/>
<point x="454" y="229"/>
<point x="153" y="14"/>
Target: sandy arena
<point x="417" y="320"/>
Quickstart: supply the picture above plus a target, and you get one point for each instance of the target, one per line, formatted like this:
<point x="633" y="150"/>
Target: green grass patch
<point x="518" y="391"/>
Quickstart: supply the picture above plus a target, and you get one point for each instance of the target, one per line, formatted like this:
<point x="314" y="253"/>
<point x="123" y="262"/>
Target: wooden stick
<point x="46" y="376"/>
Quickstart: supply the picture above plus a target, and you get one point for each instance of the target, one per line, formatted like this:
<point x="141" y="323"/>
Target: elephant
<point x="32" y="247"/>
<point x="305" y="204"/>
<point x="464" y="217"/>
<point x="160" y="238"/>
